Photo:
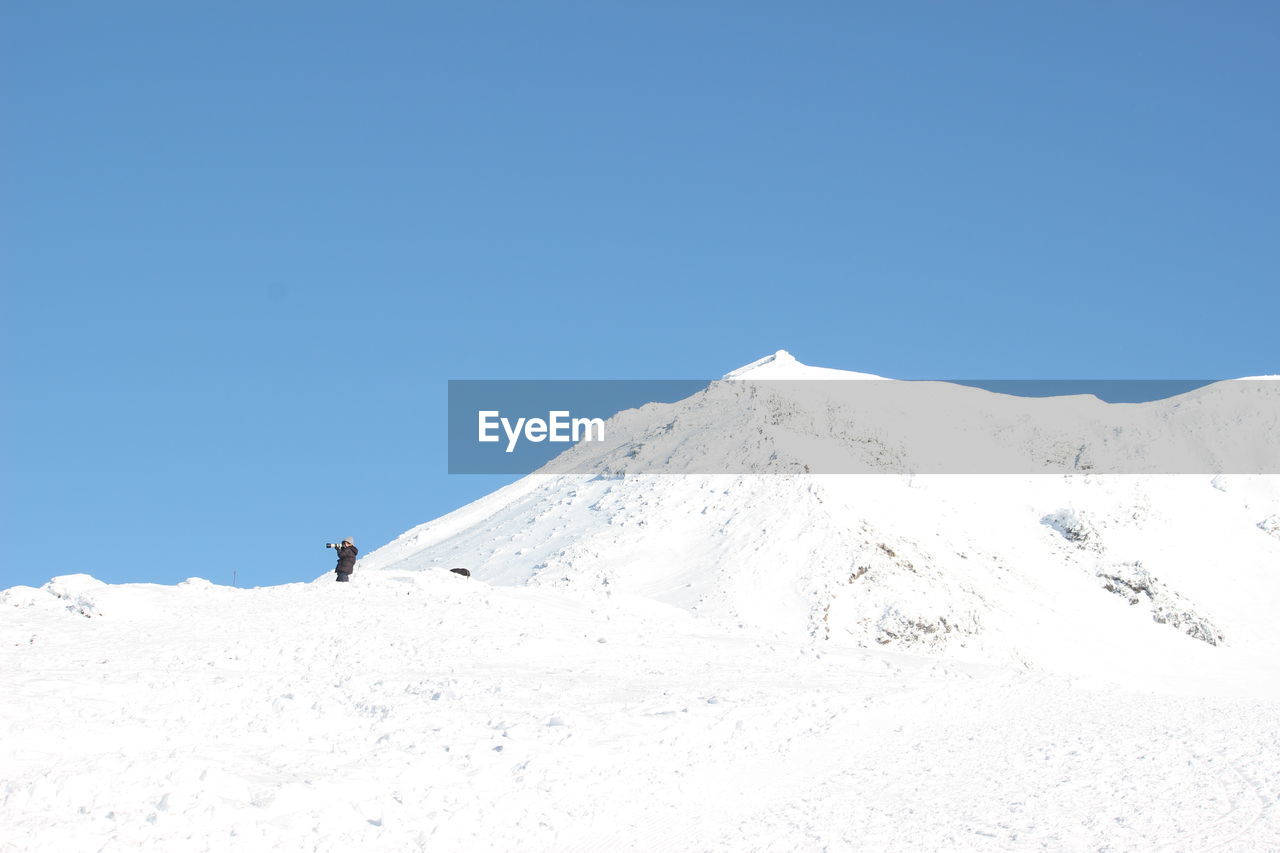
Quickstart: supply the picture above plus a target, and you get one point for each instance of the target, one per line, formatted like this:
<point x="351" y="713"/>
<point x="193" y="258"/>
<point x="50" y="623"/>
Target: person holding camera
<point x="346" y="558"/>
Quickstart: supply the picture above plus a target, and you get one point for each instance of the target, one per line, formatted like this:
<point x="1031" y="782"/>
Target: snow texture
<point x="701" y="662"/>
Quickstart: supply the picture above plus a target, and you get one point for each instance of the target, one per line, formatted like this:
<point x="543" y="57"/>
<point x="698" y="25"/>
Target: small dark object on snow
<point x="466" y="573"/>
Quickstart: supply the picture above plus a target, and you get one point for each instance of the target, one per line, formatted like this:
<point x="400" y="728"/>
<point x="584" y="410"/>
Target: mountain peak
<point x="784" y="365"/>
<point x="780" y="359"/>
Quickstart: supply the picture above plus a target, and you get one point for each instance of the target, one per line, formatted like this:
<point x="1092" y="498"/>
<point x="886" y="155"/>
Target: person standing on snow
<point x="346" y="558"/>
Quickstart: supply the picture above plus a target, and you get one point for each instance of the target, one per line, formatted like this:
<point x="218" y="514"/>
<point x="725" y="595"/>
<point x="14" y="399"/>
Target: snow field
<point x="425" y="711"/>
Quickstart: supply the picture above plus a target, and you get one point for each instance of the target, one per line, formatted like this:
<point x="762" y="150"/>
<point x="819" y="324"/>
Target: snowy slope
<point x="778" y="416"/>
<point x="1048" y="571"/>
<point x="708" y="662"/>
<point x="421" y="711"/>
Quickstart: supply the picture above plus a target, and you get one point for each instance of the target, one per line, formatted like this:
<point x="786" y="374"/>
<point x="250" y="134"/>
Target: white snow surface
<point x="701" y="662"/>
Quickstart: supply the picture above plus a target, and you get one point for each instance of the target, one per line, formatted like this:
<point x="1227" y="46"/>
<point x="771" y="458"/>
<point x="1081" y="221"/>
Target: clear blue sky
<point x="245" y="245"/>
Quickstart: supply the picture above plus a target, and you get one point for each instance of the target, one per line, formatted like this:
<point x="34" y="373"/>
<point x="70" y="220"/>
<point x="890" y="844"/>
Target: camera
<point x="331" y="544"/>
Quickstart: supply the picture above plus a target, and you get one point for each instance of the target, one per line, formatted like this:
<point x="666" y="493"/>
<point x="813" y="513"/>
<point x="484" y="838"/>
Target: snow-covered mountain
<point x="1049" y="571"/>
<point x="769" y="660"/>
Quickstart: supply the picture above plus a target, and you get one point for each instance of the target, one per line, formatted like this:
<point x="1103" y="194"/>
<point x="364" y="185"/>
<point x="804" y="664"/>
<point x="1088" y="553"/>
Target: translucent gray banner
<point x="856" y="426"/>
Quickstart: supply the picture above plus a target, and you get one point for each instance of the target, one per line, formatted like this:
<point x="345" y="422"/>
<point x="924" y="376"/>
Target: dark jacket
<point x="346" y="559"/>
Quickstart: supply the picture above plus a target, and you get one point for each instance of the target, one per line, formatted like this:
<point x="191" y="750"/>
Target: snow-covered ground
<point x="706" y="662"/>
<point x="424" y="711"/>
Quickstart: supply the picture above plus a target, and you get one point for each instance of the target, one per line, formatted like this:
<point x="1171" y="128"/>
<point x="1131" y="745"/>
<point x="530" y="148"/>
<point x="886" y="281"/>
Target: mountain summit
<point x="783" y="365"/>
